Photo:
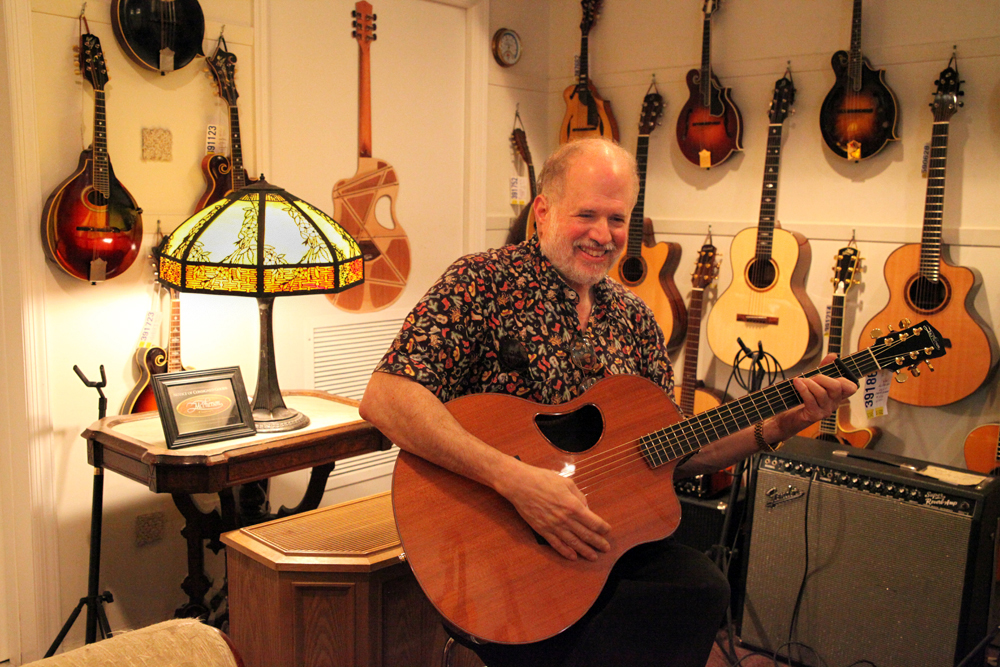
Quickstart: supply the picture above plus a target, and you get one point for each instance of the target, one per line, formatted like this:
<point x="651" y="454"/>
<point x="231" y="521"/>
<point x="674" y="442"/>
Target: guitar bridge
<point x="756" y="319"/>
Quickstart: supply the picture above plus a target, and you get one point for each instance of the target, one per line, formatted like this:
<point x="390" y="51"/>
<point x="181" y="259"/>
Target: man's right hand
<point x="557" y="510"/>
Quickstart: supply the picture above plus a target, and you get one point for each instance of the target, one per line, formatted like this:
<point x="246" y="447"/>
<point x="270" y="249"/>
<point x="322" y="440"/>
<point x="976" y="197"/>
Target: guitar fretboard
<point x="829" y="424"/>
<point x="582" y="75"/>
<point x="705" y="85"/>
<point x="854" y="61"/>
<point x="174" y="341"/>
<point x="635" y="225"/>
<point x="769" y="194"/>
<point x="239" y="176"/>
<point x="101" y="175"/>
<point x="930" y="244"/>
<point x="689" y="380"/>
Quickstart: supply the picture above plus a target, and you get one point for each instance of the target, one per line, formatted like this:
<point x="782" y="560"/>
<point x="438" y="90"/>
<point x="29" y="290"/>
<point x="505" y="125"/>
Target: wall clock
<point x="506" y="47"/>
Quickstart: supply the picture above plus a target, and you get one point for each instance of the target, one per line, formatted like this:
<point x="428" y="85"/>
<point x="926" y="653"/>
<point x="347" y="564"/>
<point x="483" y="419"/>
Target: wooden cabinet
<point x="327" y="589"/>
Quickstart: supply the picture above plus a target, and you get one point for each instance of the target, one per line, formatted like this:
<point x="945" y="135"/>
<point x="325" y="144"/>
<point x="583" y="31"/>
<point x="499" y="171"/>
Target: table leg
<point x="314" y="491"/>
<point x="198" y="527"/>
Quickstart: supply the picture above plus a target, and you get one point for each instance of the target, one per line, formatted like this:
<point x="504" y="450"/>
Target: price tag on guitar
<point x="518" y="190"/>
<point x="876" y="393"/>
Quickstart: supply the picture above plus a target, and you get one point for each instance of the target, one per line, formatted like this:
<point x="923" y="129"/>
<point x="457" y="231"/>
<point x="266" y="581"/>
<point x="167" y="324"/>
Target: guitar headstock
<point x="846" y="270"/>
<point x="222" y="65"/>
<point x="784" y="97"/>
<point x="946" y="103"/>
<point x="706" y="269"/>
<point x="906" y="348"/>
<point x="92" y="64"/>
<point x="652" y="111"/>
<point x="590" y="11"/>
<point x="363" y="23"/>
<point x="520" y="141"/>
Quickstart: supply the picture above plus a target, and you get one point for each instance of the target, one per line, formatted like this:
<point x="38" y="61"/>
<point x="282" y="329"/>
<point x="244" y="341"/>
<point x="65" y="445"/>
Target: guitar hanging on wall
<point x="224" y="174"/>
<point x="837" y="427"/>
<point x="710" y="126"/>
<point x="91" y="225"/>
<point x="648" y="268"/>
<point x="924" y="284"/>
<point x="522" y="228"/>
<point x="767" y="301"/>
<point x="982" y="450"/>
<point x="587" y="113"/>
<point x="161" y="35"/>
<point x="386" y="250"/>
<point x="858" y="117"/>
<point x="153" y="361"/>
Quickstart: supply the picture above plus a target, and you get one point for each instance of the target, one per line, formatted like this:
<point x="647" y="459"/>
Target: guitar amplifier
<point x="899" y="566"/>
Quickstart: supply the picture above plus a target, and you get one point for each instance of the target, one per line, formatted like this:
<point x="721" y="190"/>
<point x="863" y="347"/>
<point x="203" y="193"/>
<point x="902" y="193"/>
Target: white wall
<point x="821" y="196"/>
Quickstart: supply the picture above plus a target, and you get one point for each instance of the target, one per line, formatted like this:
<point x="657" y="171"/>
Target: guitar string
<point x="672" y="439"/>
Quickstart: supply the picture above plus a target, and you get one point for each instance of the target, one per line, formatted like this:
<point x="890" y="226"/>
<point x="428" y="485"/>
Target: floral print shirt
<point x="504" y="321"/>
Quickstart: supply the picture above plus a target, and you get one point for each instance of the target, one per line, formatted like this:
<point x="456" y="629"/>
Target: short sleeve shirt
<point x="504" y="321"/>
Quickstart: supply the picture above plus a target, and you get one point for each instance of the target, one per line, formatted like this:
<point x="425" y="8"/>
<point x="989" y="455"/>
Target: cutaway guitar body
<point x="660" y="294"/>
<point x="587" y="115"/>
<point x="150" y="361"/>
<point x="845" y="433"/>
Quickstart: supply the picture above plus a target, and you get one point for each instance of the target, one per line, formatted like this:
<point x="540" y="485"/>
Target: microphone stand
<point x="96" y="617"/>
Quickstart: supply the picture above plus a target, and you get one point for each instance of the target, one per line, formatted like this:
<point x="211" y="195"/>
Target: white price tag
<point x="518" y="190"/>
<point x="212" y="139"/>
<point x="875" y="390"/>
<point x="149" y="327"/>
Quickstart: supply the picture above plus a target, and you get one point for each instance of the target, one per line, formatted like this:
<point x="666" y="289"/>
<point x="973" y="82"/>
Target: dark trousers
<point x="662" y="605"/>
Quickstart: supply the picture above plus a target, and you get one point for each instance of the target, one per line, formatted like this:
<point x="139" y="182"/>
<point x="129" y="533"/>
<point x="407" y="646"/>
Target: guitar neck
<point x="582" y="77"/>
<point x="364" y="99"/>
<point x="769" y="194"/>
<point x="930" y="244"/>
<point x="174" y="342"/>
<point x="239" y="175"/>
<point x="854" y="58"/>
<point x="705" y="86"/>
<point x="689" y="381"/>
<point x="101" y="175"/>
<point x="635" y="225"/>
<point x="532" y="185"/>
<point x="829" y="424"/>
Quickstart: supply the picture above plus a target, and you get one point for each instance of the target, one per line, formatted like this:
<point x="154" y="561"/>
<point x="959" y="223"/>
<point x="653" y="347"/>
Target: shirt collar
<point x="602" y="290"/>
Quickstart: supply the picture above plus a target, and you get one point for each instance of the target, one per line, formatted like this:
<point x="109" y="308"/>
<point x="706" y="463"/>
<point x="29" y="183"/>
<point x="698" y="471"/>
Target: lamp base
<point x="279" y="420"/>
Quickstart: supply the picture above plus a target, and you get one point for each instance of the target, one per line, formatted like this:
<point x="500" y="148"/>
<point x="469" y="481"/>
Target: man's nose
<point x="601" y="231"/>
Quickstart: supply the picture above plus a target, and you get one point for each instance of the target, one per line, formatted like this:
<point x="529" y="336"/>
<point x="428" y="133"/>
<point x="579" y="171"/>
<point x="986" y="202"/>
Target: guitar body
<point x="480" y="564"/>
<point x="858" y="124"/>
<point x="587" y="115"/>
<point x="150" y="361"/>
<point x="982" y="449"/>
<point x="847" y="434"/>
<point x="386" y="249"/>
<point x="80" y="229"/>
<point x="778" y="313"/>
<point x="972" y="357"/>
<point x="709" y="135"/>
<point x="147" y="29"/>
<point x="660" y="293"/>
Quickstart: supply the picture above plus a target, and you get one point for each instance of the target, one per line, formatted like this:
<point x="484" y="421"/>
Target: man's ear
<point x="541" y="209"/>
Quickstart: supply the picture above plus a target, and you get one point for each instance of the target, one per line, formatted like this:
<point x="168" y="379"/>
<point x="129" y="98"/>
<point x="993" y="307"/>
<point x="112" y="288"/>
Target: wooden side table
<point x="134" y="446"/>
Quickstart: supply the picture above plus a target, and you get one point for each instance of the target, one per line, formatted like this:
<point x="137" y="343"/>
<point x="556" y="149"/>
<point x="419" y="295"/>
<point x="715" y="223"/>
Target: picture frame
<point x="202" y="406"/>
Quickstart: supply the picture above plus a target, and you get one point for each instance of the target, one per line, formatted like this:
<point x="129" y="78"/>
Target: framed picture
<point x="203" y="406"/>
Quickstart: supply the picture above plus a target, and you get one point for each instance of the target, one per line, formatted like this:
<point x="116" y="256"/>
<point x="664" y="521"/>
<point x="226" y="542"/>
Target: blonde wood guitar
<point x="386" y="248"/>
<point x="766" y="303"/>
<point x="587" y="114"/>
<point x="982" y="450"/>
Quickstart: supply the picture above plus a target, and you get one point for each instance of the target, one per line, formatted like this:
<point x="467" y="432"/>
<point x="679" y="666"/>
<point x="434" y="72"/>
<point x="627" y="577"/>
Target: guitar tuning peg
<point x="889" y="327"/>
<point x="905" y="322"/>
<point x="898" y="377"/>
<point x="354" y="34"/>
<point x="929" y="367"/>
<point x="375" y="18"/>
<point x="76" y="49"/>
<point x="914" y="371"/>
<point x="876" y="333"/>
<point x="354" y="13"/>
<point x="374" y="37"/>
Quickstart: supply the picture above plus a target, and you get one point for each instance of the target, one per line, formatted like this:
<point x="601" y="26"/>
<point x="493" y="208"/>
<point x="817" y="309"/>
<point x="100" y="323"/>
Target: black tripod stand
<point x="94" y="601"/>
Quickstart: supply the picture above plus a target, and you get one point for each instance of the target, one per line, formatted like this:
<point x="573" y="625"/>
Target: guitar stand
<point x="96" y="617"/>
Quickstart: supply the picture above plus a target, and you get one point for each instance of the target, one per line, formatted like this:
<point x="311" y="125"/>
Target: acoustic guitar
<point x="858" y="117"/>
<point x="386" y="249"/>
<point x="587" y="113"/>
<point x="223" y="174"/>
<point x="924" y="284"/>
<point x="152" y="360"/>
<point x="161" y="35"/>
<point x="641" y="260"/>
<point x="523" y="228"/>
<point x="490" y="574"/>
<point x="91" y="225"/>
<point x="767" y="302"/>
<point x="837" y="427"/>
<point x="710" y="126"/>
<point x="982" y="449"/>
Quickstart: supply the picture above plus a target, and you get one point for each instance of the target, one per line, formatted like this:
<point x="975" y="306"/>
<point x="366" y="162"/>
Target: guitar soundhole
<point x="369" y="250"/>
<point x="761" y="274"/>
<point x="928" y="296"/>
<point x="633" y="270"/>
<point x="573" y="432"/>
<point x="95" y="198"/>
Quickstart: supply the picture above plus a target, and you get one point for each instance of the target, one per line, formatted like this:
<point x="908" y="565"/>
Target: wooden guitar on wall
<point x="523" y="226"/>
<point x="982" y="450"/>
<point x="858" y="117"/>
<point x="710" y="126"/>
<point x="223" y="174"/>
<point x="648" y="268"/>
<point x="153" y="361"/>
<point x="587" y="114"/>
<point x="924" y="284"/>
<point x="837" y="427"/>
<point x="386" y="249"/>
<point x="161" y="35"/>
<point x="91" y="225"/>
<point x="767" y="302"/>
<point x="481" y="564"/>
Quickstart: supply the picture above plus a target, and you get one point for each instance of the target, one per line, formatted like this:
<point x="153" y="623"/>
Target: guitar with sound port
<point x="523" y="228"/>
<point x="924" y="284"/>
<point x="91" y="224"/>
<point x="223" y="173"/>
<point x="859" y="115"/>
<point x="485" y="569"/>
<point x="710" y="125"/>
<point x="647" y="268"/>
<point x="982" y="449"/>
<point x="587" y="113"/>
<point x="837" y="427"/>
<point x="766" y="301"/>
<point x="385" y="248"/>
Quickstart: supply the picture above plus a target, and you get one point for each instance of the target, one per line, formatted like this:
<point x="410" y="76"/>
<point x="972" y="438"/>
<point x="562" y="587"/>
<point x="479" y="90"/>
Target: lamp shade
<point x="259" y="241"/>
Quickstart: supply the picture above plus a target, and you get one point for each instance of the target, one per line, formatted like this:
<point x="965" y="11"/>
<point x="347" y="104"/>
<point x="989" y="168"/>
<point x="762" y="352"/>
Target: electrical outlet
<point x="149" y="528"/>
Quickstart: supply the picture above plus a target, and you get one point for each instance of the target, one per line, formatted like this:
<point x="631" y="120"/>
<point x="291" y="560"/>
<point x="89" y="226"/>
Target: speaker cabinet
<point x="899" y="567"/>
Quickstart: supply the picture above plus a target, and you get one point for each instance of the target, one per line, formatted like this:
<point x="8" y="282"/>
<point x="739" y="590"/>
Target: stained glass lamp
<point x="263" y="242"/>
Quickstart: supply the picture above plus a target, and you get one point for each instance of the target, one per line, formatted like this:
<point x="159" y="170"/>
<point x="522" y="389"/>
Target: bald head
<point x="552" y="181"/>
